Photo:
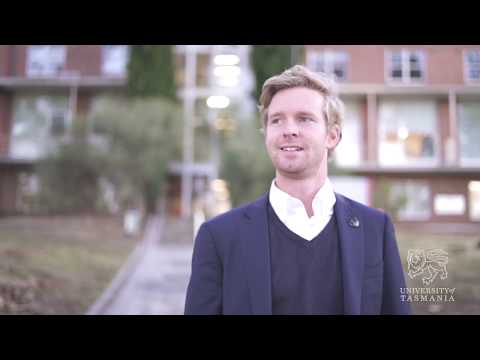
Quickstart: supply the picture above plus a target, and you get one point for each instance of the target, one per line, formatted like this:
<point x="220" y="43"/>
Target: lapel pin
<point x="354" y="222"/>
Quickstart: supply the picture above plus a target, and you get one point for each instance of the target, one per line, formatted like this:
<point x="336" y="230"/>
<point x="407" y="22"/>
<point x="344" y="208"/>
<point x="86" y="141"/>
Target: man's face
<point x="296" y="136"/>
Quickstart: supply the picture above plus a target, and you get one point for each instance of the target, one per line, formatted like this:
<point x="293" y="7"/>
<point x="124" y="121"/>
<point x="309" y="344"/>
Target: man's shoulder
<point x="234" y="215"/>
<point x="366" y="211"/>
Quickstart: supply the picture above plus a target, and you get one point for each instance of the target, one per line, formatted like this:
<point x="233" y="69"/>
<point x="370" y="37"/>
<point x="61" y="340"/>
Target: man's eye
<point x="305" y="119"/>
<point x="274" y="121"/>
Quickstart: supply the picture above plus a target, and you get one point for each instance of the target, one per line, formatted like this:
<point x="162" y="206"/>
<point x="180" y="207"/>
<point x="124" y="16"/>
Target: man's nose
<point x="290" y="129"/>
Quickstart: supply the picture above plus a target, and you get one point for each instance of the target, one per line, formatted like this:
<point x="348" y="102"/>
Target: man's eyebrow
<point x="275" y="114"/>
<point x="299" y="113"/>
<point x="305" y="113"/>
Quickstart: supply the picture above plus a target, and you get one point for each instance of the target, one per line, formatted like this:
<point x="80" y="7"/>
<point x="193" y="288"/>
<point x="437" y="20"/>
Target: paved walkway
<point x="154" y="280"/>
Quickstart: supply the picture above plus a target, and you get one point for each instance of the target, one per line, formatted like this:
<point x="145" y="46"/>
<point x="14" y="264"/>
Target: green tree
<point x="69" y="176"/>
<point x="269" y="60"/>
<point x="141" y="137"/>
<point x="151" y="71"/>
<point x="246" y="167"/>
<point x="388" y="198"/>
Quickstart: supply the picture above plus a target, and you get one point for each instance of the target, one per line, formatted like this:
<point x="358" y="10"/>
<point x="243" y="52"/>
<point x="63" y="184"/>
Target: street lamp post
<point x="72" y="104"/>
<point x="188" y="151"/>
<point x="72" y="78"/>
<point x="214" y="142"/>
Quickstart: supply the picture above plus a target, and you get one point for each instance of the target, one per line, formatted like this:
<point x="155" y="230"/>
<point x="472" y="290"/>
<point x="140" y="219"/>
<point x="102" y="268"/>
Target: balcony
<point x="61" y="81"/>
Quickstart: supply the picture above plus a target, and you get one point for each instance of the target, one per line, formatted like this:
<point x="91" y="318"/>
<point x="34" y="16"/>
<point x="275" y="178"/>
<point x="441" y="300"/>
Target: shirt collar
<point x="286" y="206"/>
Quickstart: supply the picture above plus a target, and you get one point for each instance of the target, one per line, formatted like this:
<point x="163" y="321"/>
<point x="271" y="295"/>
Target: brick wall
<point x="4" y="60"/>
<point x="367" y="64"/>
<point x="87" y="59"/>
<point x="444" y="64"/>
<point x="20" y="60"/>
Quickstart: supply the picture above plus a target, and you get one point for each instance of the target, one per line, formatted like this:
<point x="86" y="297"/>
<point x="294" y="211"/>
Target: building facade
<point x="43" y="87"/>
<point x="215" y="84"/>
<point x="409" y="140"/>
<point x="410" y="134"/>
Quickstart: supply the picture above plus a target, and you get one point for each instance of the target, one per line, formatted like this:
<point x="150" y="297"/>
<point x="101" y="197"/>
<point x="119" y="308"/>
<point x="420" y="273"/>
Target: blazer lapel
<point x="351" y="235"/>
<point x="256" y="249"/>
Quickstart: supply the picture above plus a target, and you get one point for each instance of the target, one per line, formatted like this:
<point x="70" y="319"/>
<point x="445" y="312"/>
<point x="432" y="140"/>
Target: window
<point x="330" y="62"/>
<point x="45" y="60"/>
<point x="202" y="68"/>
<point x="411" y="200"/>
<point x="355" y="187"/>
<point x="406" y="66"/>
<point x="449" y="204"/>
<point x="407" y="133"/>
<point x="200" y="112"/>
<point x="349" y="150"/>
<point x="202" y="136"/>
<point x="38" y="123"/>
<point x="58" y="123"/>
<point x="227" y="75"/>
<point x="28" y="189"/>
<point x="202" y="72"/>
<point x="114" y="60"/>
<point x="180" y="70"/>
<point x="472" y="65"/>
<point x="396" y="66"/>
<point x="469" y="131"/>
<point x="474" y="200"/>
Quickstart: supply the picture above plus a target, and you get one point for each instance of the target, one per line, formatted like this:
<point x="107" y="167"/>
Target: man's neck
<point x="302" y="189"/>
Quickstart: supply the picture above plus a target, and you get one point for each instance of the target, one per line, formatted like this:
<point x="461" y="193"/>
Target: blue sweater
<point x="306" y="275"/>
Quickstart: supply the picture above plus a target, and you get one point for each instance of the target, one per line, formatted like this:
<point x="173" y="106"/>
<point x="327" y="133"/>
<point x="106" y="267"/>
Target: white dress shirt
<point x="293" y="214"/>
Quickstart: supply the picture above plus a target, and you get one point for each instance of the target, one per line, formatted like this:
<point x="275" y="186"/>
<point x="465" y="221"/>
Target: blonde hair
<point x="300" y="76"/>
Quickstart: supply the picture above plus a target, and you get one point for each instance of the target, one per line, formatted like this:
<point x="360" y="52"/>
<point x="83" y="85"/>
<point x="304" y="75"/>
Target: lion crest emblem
<point x="432" y="262"/>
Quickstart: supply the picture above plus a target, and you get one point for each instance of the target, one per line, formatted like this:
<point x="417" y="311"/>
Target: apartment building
<point x="215" y="84"/>
<point x="410" y="139"/>
<point x="42" y="88"/>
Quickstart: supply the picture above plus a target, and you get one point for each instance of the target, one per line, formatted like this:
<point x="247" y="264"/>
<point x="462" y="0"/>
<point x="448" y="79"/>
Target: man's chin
<point x="291" y="171"/>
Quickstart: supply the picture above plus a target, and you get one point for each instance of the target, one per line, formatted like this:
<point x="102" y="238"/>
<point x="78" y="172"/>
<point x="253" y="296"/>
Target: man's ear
<point x="334" y="136"/>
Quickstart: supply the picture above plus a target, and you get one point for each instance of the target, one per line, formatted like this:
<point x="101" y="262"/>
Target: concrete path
<point x="154" y="280"/>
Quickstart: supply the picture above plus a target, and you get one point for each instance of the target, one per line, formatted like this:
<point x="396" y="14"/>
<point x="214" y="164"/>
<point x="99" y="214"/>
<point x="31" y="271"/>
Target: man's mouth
<point x="291" y="148"/>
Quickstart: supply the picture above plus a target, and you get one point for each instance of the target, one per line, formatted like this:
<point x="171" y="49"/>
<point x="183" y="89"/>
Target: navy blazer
<point x="231" y="272"/>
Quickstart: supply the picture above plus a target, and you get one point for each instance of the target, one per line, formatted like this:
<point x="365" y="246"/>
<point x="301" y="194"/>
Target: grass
<point x="463" y="270"/>
<point x="58" y="265"/>
<point x="463" y="267"/>
<point x="61" y="265"/>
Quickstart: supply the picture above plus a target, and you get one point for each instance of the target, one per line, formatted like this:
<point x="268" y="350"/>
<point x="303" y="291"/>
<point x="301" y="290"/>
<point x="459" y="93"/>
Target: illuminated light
<point x="449" y="204"/>
<point x="218" y="102"/>
<point x="226" y="71"/>
<point x="474" y="186"/>
<point x="219" y="124"/>
<point x="228" y="82"/>
<point x="228" y="76"/>
<point x="224" y="124"/>
<point x="223" y="196"/>
<point x="218" y="185"/>
<point x="403" y="133"/>
<point x="226" y="59"/>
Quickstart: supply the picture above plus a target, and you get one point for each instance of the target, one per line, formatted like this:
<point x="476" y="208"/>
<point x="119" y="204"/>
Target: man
<point x="300" y="248"/>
